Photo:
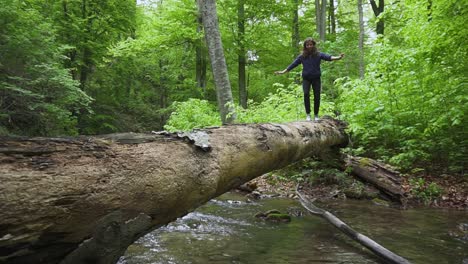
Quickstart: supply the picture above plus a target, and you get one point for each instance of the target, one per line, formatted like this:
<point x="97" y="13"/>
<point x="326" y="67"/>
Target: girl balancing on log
<point x="310" y="60"/>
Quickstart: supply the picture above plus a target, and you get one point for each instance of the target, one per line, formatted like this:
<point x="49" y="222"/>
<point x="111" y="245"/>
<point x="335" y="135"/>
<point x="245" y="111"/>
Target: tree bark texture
<point x="361" y="39"/>
<point x="332" y="17"/>
<point x="382" y="176"/>
<point x="321" y="18"/>
<point x="377" y="11"/>
<point x="241" y="53"/>
<point x="317" y="17"/>
<point x="200" y="58"/>
<point x="295" y="36"/>
<point x="218" y="62"/>
<point x="86" y="199"/>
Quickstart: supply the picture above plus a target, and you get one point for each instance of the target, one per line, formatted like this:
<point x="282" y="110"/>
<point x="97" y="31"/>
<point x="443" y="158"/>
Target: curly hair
<point x="309" y="52"/>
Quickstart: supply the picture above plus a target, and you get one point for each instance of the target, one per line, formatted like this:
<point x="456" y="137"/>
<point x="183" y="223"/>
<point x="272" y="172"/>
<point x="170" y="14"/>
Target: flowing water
<point x="225" y="231"/>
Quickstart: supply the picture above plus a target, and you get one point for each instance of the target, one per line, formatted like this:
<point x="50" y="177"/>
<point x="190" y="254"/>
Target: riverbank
<point x="444" y="191"/>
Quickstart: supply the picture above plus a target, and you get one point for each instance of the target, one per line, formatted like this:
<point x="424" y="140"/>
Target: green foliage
<point x="92" y="67"/>
<point x="411" y="107"/>
<point x="139" y="78"/>
<point x="329" y="176"/>
<point x="426" y="192"/>
<point x="37" y="95"/>
<point x="89" y="28"/>
<point x="192" y="114"/>
<point x="284" y="106"/>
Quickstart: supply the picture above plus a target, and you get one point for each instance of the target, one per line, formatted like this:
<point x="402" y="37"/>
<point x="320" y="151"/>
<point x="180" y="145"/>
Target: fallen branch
<point x="373" y="246"/>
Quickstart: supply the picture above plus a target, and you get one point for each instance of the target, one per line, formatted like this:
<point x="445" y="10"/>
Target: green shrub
<point x="194" y="113"/>
<point x="426" y="192"/>
<point x="285" y="105"/>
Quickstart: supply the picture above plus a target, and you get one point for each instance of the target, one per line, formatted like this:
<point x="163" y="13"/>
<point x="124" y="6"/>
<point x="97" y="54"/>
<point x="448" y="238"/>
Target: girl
<point x="310" y="60"/>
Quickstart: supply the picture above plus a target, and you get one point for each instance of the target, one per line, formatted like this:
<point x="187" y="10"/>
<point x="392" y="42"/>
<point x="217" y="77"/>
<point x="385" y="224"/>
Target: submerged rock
<point x="381" y="202"/>
<point x="461" y="233"/>
<point x="274" y="216"/>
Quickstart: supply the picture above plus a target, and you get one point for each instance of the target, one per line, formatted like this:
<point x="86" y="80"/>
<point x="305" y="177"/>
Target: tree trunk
<point x="85" y="200"/>
<point x="377" y="11"/>
<point x="361" y="39"/>
<point x="200" y="59"/>
<point x="295" y="37"/>
<point x="218" y="63"/>
<point x="332" y="18"/>
<point x="86" y="64"/>
<point x="163" y="94"/>
<point x="382" y="176"/>
<point x="241" y="54"/>
<point x="71" y="54"/>
<point x="323" y="20"/>
<point x="317" y="17"/>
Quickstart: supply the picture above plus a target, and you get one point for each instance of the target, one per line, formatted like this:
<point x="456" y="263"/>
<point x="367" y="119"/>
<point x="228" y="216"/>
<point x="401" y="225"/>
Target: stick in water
<point x="373" y="246"/>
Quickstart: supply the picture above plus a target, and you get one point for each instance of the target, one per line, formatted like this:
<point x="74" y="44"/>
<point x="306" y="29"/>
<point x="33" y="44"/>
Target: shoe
<point x="316" y="118"/>
<point x="308" y="118"/>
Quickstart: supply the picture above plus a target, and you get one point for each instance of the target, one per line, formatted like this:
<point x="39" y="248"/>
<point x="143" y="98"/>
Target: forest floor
<point x="454" y="190"/>
<point x="451" y="192"/>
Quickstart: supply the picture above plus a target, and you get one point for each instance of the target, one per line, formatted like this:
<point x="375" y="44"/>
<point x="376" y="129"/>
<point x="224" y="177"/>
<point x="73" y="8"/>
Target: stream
<point x="225" y="231"/>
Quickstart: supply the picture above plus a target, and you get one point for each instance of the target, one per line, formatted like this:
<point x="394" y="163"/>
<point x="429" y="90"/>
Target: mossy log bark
<point x="382" y="176"/>
<point x="86" y="199"/>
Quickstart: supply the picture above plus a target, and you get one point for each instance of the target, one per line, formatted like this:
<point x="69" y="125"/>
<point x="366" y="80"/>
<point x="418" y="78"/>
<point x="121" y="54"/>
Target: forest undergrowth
<point x="326" y="182"/>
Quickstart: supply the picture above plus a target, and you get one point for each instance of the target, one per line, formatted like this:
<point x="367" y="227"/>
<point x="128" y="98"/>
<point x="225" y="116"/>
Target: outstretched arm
<point x="333" y="58"/>
<point x="281" y="72"/>
<point x="293" y="65"/>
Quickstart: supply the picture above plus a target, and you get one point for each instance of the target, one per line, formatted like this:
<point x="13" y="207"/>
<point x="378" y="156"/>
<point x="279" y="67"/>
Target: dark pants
<point x="316" y="85"/>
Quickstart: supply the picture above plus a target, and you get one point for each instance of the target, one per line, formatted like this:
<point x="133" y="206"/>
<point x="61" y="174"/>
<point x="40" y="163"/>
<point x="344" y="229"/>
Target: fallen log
<point x="382" y="176"/>
<point x="370" y="244"/>
<point x="86" y="199"/>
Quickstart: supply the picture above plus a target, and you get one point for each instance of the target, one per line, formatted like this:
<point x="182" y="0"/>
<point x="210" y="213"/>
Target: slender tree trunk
<point x="361" y="39"/>
<point x="218" y="62"/>
<point x="332" y="18"/>
<point x="323" y="20"/>
<point x="295" y="38"/>
<point x="86" y="199"/>
<point x="71" y="54"/>
<point x="317" y="17"/>
<point x="200" y="58"/>
<point x="85" y="67"/>
<point x="134" y="26"/>
<point x="241" y="53"/>
<point x="429" y="10"/>
<point x="86" y="53"/>
<point x="159" y="87"/>
<point x="377" y="11"/>
<point x="162" y="90"/>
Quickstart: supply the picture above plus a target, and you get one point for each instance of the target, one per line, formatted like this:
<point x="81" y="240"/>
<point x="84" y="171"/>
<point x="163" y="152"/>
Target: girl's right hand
<point x="280" y="72"/>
